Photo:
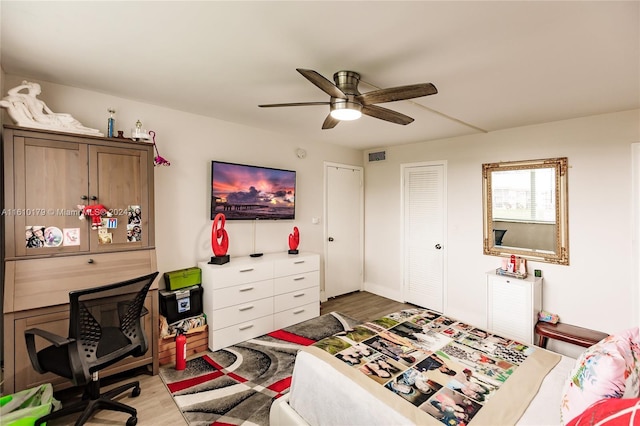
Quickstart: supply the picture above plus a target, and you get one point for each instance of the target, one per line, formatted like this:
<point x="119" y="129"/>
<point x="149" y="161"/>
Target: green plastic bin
<point x="176" y="280"/>
<point x="25" y="407"/>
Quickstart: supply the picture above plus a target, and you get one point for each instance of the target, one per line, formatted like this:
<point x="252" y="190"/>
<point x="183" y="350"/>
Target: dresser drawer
<point x="296" y="282"/>
<point x="296" y="265"/>
<point x="234" y="273"/>
<point x="282" y="302"/>
<point x="293" y="316"/>
<point x="48" y="281"/>
<point x="230" y="296"/>
<point x="240" y="332"/>
<point x="237" y="314"/>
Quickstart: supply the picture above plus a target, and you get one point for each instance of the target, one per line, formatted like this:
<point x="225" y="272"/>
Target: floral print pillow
<point x="608" y="369"/>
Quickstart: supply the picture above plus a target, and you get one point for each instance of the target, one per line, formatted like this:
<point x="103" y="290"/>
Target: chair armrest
<point x="31" y="344"/>
<point x="52" y="337"/>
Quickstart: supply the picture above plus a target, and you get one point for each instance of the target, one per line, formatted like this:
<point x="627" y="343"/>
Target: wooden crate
<point x="197" y="341"/>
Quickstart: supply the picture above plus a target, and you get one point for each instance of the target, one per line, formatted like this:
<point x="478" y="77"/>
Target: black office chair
<point x="104" y="327"/>
<point x="499" y="235"/>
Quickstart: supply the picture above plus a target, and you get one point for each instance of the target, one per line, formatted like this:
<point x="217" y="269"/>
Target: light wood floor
<point x="362" y="305"/>
<point x="155" y="405"/>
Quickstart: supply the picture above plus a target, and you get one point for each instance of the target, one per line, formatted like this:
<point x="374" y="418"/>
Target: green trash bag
<point x="27" y="406"/>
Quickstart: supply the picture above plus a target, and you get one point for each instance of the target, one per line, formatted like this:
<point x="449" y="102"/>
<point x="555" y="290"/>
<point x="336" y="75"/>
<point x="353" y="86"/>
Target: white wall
<point x="182" y="190"/>
<point x="595" y="290"/>
<point x="635" y="234"/>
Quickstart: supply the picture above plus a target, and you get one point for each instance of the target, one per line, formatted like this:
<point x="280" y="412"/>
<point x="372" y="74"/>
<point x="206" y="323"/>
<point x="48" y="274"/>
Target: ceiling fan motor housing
<point x="347" y="81"/>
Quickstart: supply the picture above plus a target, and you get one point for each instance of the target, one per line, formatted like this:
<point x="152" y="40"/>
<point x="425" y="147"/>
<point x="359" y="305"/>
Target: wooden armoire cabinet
<point x="48" y="250"/>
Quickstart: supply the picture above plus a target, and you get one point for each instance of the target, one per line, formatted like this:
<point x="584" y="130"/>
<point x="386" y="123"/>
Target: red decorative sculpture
<point x="219" y="236"/>
<point x="95" y="212"/>
<point x="294" y="241"/>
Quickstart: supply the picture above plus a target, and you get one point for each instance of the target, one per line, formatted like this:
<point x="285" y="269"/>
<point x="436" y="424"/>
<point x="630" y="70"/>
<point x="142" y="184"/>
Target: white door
<point x="424" y="224"/>
<point x="343" y="229"/>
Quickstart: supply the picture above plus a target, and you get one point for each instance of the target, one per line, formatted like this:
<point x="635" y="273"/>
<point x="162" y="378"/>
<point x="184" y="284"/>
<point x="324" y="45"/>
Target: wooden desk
<point x="567" y="333"/>
<point x="41" y="300"/>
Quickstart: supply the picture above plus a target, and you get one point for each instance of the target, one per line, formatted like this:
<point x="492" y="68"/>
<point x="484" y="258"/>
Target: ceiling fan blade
<point x="329" y="122"/>
<point x="386" y="114"/>
<point x="397" y="93"/>
<point x="323" y="84"/>
<point x="294" y="104"/>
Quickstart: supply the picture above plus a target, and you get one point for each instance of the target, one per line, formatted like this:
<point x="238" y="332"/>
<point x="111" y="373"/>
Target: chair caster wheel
<point x="132" y="421"/>
<point x="135" y="392"/>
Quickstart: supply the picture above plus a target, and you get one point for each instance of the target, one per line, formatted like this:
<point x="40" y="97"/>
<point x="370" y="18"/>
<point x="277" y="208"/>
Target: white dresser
<point x="513" y="305"/>
<point x="249" y="297"/>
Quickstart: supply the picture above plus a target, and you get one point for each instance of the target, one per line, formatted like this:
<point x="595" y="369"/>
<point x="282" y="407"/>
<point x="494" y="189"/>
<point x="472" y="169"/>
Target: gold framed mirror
<point x="525" y="209"/>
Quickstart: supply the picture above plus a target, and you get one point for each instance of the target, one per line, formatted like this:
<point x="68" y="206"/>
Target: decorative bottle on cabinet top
<point x="522" y="270"/>
<point x="111" y="122"/>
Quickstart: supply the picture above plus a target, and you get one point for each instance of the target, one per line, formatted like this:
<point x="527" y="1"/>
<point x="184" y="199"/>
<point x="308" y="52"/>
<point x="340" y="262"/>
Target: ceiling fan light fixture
<point x="346" y="111"/>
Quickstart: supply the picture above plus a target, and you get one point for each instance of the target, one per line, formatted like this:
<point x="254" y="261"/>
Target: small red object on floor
<point x="181" y="350"/>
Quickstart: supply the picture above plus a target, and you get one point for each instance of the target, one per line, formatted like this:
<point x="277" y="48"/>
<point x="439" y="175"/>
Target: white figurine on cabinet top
<point x="28" y="111"/>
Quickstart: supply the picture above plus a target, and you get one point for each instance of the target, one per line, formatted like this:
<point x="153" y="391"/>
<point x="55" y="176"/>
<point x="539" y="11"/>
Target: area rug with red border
<point x="236" y="385"/>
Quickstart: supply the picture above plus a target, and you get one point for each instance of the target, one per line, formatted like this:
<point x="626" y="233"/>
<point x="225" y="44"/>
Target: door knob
<point x="330" y="238"/>
<point x="438" y="246"/>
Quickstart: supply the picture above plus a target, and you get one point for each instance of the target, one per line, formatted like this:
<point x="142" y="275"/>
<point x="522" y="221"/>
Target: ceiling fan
<point x="347" y="103"/>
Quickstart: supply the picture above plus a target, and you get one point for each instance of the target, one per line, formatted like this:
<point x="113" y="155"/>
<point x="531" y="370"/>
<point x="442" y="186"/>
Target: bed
<point x="417" y="367"/>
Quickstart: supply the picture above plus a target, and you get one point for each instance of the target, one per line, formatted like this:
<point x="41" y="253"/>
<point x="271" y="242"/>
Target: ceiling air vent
<point x="377" y="156"/>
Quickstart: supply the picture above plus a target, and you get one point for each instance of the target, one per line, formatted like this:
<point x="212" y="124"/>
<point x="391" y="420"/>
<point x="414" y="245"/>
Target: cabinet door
<point x="118" y="180"/>
<point x="510" y="308"/>
<point x="50" y="177"/>
<point x="58" y="323"/>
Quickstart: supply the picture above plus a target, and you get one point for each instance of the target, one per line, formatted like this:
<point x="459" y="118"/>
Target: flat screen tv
<point x="244" y="192"/>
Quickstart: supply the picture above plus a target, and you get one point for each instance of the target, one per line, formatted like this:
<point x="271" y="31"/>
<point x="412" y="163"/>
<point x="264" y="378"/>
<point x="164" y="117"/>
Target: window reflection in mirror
<point x="525" y="209"/>
<point x="524" y="204"/>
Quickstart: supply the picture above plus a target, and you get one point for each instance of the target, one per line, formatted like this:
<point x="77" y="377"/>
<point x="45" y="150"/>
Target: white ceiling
<point x="496" y="64"/>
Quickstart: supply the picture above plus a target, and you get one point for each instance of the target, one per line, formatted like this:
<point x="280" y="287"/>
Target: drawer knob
<point x="298" y="262"/>
<point x="246" y="289"/>
<point x="298" y="311"/>
<point x="90" y="261"/>
<point x="298" y="278"/>
<point x="245" y="327"/>
<point x="245" y="308"/>
<point x="246" y="270"/>
<point x="298" y="295"/>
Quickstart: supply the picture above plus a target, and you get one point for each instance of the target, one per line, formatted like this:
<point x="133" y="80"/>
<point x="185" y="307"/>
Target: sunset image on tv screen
<point x="250" y="192"/>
